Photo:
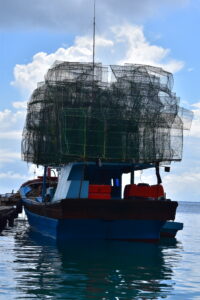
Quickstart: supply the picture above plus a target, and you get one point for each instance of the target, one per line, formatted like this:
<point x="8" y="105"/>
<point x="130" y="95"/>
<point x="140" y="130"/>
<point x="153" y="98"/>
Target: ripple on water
<point x="33" y="267"/>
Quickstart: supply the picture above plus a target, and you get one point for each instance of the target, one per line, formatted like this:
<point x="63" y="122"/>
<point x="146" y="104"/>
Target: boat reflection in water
<point x="94" y="270"/>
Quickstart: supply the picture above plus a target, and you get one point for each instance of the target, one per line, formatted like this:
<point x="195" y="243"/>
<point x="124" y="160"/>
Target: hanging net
<point x="118" y="113"/>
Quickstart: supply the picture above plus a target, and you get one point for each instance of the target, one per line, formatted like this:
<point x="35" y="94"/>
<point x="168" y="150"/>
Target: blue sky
<point x="35" y="33"/>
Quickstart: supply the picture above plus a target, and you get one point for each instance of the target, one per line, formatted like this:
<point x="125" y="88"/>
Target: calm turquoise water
<point x="32" y="267"/>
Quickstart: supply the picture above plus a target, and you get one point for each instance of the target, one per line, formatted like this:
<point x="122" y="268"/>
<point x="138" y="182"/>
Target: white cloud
<point x="35" y="171"/>
<point x="86" y="42"/>
<point x="10" y="120"/>
<point x="12" y="175"/>
<point x="27" y="76"/>
<point x="197" y="105"/>
<point x="195" y="129"/>
<point x="183" y="186"/>
<point x="126" y="43"/>
<point x="11" y="180"/>
<point x="140" y="51"/>
<point x="20" y="104"/>
<point x="11" y="135"/>
<point x="7" y="156"/>
<point x="11" y="124"/>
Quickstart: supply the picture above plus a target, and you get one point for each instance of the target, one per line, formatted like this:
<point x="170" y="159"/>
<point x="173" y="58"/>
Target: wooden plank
<point x="6" y="210"/>
<point x="7" y="216"/>
<point x="106" y="209"/>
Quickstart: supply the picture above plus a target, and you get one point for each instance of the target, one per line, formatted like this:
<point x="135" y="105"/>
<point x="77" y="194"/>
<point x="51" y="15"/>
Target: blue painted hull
<point x="170" y="229"/>
<point x="144" y="230"/>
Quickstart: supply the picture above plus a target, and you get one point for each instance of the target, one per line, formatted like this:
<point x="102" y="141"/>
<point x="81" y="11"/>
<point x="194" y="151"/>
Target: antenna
<point x="94" y="27"/>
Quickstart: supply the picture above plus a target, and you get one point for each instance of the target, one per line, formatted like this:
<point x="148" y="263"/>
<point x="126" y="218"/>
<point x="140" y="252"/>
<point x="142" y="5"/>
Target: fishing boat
<point x="170" y="229"/>
<point x="91" y="211"/>
<point x="92" y="130"/>
<point x="32" y="190"/>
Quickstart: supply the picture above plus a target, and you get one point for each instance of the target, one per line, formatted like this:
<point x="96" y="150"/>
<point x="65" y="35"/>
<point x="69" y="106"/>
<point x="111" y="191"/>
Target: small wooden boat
<point x="80" y="209"/>
<point x="93" y="123"/>
<point x="170" y="229"/>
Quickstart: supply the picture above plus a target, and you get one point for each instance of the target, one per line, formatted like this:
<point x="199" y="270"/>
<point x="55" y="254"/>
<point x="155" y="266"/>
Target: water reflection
<point x="93" y="270"/>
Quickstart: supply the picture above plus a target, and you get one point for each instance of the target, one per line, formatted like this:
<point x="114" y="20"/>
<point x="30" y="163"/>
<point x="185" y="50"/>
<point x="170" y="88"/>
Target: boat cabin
<point x="92" y="181"/>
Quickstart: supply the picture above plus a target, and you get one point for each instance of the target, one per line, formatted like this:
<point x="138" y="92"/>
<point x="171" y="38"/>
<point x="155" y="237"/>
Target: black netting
<point x="78" y="114"/>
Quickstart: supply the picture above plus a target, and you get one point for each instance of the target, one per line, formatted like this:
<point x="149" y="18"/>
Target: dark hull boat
<point x="92" y="131"/>
<point x="65" y="221"/>
<point x="99" y="212"/>
<point x="170" y="229"/>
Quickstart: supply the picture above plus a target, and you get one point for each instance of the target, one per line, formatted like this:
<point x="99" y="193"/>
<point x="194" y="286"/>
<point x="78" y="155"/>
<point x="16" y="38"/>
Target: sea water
<point x="33" y="267"/>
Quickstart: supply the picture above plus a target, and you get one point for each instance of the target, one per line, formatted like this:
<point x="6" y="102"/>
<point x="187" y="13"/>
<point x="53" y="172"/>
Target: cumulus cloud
<point x="11" y="180"/>
<point x="27" y="76"/>
<point x="12" y="134"/>
<point x="10" y="120"/>
<point x="19" y="104"/>
<point x="126" y="44"/>
<point x="34" y="171"/>
<point x="13" y="172"/>
<point x="11" y="124"/>
<point x="140" y="51"/>
<point x="12" y="175"/>
<point x="76" y="15"/>
<point x="7" y="155"/>
<point x="183" y="185"/>
<point x="195" y="129"/>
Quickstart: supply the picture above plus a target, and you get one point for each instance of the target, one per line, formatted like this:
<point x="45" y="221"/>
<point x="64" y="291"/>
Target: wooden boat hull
<point x="100" y="219"/>
<point x="170" y="229"/>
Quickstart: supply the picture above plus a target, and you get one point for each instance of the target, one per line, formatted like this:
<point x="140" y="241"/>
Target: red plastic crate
<point x="157" y="191"/>
<point x="153" y="191"/>
<point x="99" y="196"/>
<point x="102" y="189"/>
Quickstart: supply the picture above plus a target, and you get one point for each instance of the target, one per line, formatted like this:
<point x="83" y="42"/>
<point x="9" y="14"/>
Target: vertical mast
<point x="94" y="25"/>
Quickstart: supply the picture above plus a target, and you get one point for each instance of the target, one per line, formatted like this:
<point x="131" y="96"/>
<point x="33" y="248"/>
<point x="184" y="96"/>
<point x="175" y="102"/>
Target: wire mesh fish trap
<point x="77" y="114"/>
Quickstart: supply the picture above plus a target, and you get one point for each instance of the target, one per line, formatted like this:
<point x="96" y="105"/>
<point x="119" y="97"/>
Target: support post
<point x="159" y="180"/>
<point x="44" y="183"/>
<point x="132" y="177"/>
<point x="94" y="25"/>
